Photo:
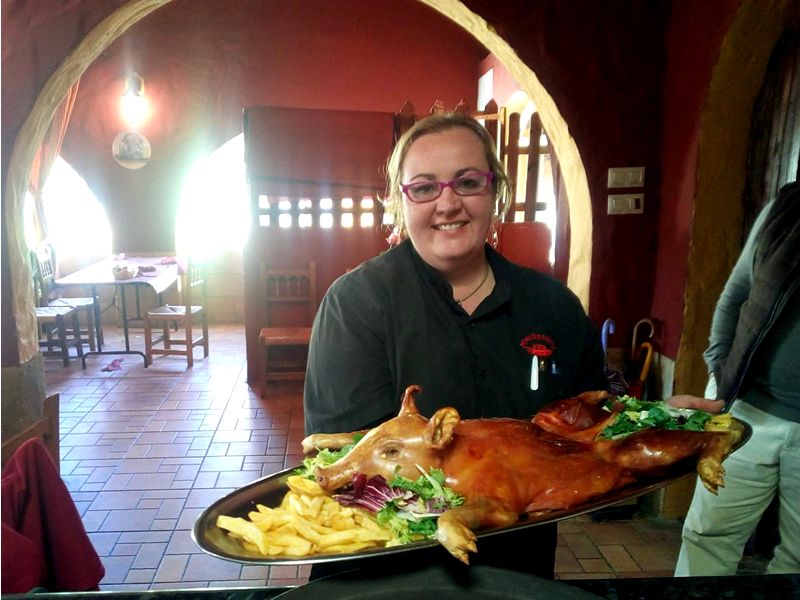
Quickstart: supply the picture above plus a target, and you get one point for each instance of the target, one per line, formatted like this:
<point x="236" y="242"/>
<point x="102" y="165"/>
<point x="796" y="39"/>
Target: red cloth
<point x="44" y="543"/>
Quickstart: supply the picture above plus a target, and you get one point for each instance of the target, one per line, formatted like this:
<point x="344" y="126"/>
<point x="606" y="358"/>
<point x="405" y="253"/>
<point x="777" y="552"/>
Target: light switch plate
<point x="625" y="177"/>
<point x="625" y="204"/>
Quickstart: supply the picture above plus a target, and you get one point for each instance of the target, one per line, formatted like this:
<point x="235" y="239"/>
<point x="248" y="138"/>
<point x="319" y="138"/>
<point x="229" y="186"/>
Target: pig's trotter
<point x="457" y="538"/>
<point x="712" y="474"/>
<point x="709" y="464"/>
<point x="455" y="527"/>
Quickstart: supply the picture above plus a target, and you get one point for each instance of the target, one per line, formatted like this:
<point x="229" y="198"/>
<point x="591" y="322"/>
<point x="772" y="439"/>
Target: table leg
<point x="124" y="309"/>
<point x="98" y="315"/>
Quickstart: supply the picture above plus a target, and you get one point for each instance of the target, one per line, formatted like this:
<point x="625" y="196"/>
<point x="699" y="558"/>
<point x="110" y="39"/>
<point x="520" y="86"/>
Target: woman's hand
<point x="695" y="402"/>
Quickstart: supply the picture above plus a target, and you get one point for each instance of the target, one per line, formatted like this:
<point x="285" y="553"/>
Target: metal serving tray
<point x="271" y="489"/>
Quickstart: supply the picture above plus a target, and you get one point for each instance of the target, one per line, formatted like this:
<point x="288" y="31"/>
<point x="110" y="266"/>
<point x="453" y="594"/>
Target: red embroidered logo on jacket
<point x="538" y="344"/>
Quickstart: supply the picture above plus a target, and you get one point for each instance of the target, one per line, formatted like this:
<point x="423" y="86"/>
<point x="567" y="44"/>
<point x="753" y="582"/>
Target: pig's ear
<point x="439" y="430"/>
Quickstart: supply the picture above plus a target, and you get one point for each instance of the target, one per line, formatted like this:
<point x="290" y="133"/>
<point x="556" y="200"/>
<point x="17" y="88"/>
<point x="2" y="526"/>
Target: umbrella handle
<point x="635" y="338"/>
<point x="647" y="359"/>
<point x="608" y="327"/>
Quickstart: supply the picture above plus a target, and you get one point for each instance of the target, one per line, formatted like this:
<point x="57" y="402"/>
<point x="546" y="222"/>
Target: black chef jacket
<point x="392" y="322"/>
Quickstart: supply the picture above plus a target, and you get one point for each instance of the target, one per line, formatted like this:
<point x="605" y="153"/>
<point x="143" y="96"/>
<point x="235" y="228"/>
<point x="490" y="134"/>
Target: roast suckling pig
<point x="506" y="468"/>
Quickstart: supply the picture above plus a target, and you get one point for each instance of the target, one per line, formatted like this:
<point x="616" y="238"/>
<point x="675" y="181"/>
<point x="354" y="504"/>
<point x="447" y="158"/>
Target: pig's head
<point x="396" y="446"/>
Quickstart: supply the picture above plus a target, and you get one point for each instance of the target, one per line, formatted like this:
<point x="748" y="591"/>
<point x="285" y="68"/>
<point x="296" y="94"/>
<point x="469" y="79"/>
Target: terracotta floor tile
<point x="140" y="575"/>
<point x="171" y="568"/>
<point x="581" y="545"/>
<point x="202" y="567"/>
<point x="116" y="500"/>
<point x="595" y="565"/>
<point x="613" y="532"/>
<point x="657" y="557"/>
<point x="617" y="556"/>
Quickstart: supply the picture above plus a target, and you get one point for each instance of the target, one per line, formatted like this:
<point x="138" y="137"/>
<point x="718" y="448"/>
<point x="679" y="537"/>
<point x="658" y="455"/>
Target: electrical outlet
<point x="625" y="204"/>
<point x="625" y="177"/>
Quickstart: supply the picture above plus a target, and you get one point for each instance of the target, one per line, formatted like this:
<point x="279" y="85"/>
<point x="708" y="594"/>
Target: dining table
<point x="156" y="273"/>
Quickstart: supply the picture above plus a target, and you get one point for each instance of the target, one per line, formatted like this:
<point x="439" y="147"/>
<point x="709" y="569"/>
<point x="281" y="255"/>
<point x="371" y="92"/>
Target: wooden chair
<point x="57" y="326"/>
<point x="46" y="429"/>
<point x="291" y="303"/>
<point x="194" y="297"/>
<point x="43" y="265"/>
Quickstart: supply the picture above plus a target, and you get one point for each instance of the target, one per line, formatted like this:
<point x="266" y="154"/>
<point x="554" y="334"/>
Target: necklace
<point x="475" y="291"/>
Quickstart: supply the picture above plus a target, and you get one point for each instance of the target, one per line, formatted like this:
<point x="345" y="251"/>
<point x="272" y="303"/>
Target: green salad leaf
<point x="429" y="487"/>
<point x="641" y="414"/>
<point x="415" y="518"/>
<point x="323" y="458"/>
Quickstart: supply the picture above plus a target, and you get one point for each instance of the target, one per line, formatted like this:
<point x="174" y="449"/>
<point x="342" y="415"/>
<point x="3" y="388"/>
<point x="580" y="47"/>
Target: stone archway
<point x="35" y="127"/>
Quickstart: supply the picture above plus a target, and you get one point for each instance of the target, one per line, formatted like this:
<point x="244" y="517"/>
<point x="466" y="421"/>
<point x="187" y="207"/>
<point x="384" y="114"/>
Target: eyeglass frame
<point x="489" y="175"/>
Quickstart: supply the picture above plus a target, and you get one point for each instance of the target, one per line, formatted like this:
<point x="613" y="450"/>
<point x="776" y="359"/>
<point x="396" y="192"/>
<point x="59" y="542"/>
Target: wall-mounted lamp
<point x="135" y="108"/>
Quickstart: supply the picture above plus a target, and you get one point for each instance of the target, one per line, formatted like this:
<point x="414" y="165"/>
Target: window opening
<point x="213" y="214"/>
<point x="70" y="206"/>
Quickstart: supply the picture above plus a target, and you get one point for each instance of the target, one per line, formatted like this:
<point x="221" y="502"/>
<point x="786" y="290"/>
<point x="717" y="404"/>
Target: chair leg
<point x="76" y="325"/>
<point x="48" y="334"/>
<point x="90" y="329"/>
<point x="62" y="339"/>
<point x="205" y="335"/>
<point x="266" y="364"/>
<point x="165" y="332"/>
<point x="189" y="346"/>
<point x="148" y="341"/>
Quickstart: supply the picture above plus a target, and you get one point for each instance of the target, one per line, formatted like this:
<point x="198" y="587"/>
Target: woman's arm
<point x="348" y="381"/>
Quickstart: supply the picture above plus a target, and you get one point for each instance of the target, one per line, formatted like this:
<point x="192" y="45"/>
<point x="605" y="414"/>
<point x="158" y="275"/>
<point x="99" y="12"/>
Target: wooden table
<point x="164" y="275"/>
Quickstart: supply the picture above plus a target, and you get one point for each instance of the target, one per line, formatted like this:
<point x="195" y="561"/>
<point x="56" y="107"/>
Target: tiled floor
<point x="144" y="451"/>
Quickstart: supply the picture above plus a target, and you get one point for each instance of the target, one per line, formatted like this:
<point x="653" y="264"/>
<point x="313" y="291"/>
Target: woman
<point x="447" y="312"/>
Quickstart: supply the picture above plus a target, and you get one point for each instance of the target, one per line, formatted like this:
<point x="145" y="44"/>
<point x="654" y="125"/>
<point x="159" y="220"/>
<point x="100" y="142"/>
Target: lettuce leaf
<point x="323" y="458"/>
<point x="641" y="414"/>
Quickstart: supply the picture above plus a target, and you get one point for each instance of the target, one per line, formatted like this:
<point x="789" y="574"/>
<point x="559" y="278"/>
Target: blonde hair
<point x="393" y="201"/>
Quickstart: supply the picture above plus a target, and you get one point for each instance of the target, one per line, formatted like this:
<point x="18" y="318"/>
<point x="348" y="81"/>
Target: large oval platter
<point x="271" y="489"/>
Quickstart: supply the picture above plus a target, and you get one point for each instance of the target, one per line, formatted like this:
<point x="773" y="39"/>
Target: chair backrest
<point x="194" y="289"/>
<point x="527" y="244"/>
<point x="44" y="272"/>
<point x="291" y="295"/>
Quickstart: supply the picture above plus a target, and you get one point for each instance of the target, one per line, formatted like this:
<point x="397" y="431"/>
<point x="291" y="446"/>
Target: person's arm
<point x="348" y="381"/>
<point x="723" y="323"/>
<point x="734" y="294"/>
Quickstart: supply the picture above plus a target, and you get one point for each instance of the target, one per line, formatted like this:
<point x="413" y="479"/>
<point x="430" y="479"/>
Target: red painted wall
<point x="693" y="40"/>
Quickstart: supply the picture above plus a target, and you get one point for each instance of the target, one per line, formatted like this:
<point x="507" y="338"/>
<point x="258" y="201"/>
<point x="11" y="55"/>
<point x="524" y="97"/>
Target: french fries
<point x="307" y="522"/>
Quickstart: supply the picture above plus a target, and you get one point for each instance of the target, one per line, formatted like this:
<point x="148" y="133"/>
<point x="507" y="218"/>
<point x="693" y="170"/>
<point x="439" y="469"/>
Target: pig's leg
<point x="331" y="441"/>
<point x="655" y="449"/>
<point x="456" y="526"/>
<point x="709" y="464"/>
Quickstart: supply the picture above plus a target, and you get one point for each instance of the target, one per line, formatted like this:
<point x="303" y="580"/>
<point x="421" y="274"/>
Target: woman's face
<point x="448" y="232"/>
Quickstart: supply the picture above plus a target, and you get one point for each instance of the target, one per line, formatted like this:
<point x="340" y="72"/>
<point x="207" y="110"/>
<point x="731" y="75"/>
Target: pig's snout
<point x="331" y="479"/>
<point x="322" y="479"/>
